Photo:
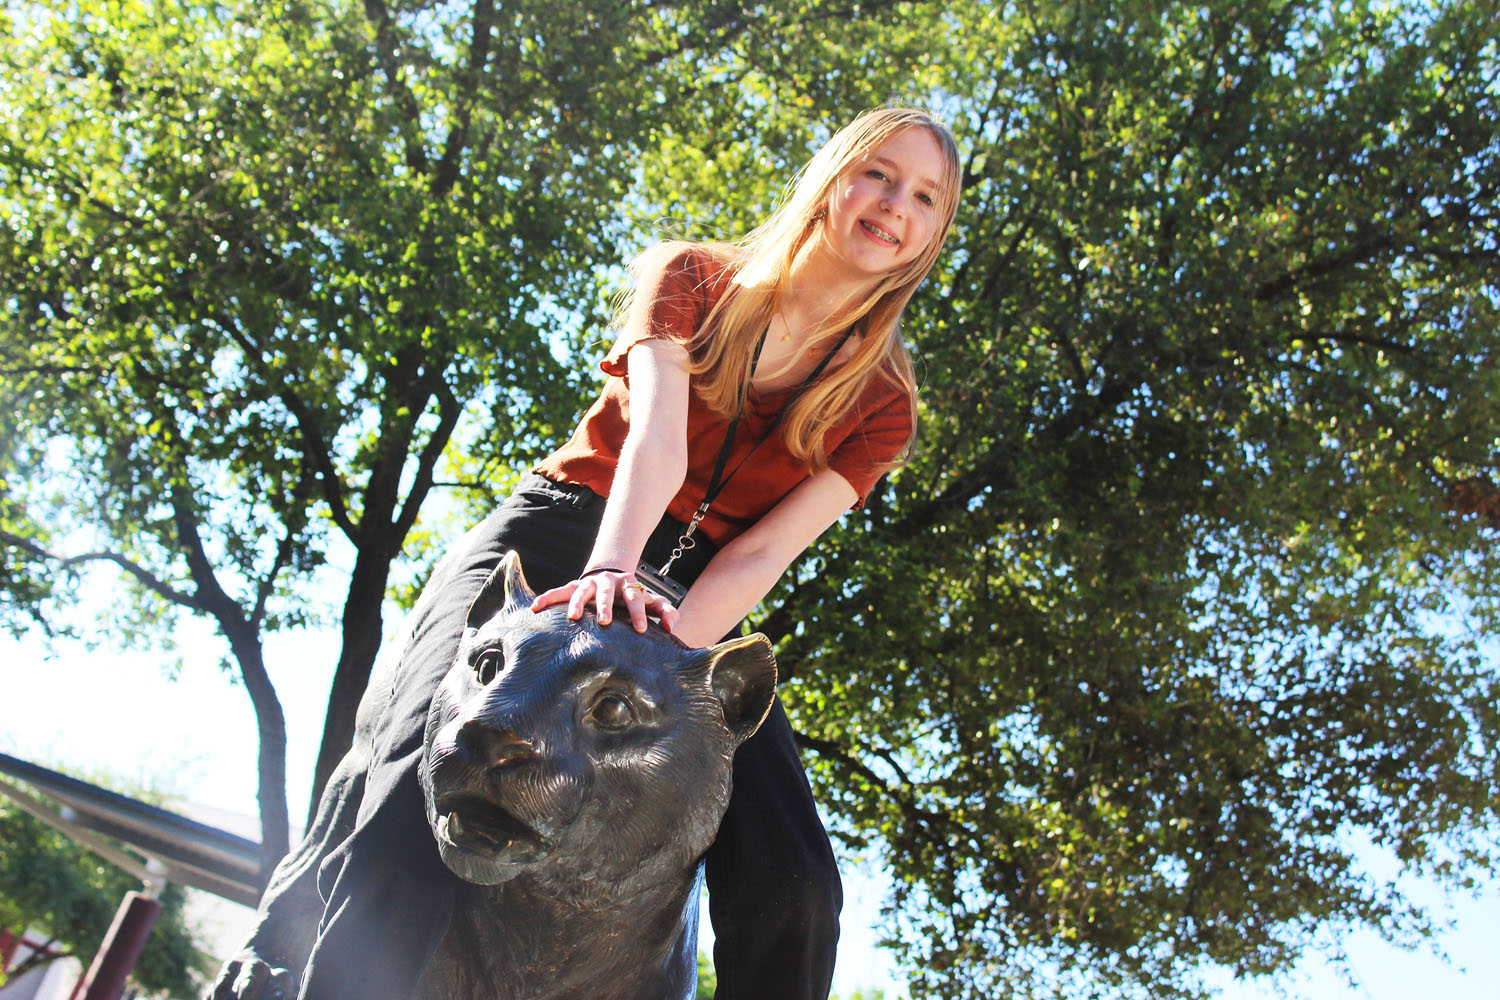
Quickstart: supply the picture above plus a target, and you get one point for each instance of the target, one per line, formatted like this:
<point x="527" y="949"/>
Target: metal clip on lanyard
<point x="715" y="484"/>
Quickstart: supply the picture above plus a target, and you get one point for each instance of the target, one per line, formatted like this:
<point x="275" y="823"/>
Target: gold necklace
<point x="812" y="352"/>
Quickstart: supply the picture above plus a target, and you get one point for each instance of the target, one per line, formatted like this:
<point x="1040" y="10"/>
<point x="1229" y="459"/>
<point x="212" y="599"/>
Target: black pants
<point x="774" y="891"/>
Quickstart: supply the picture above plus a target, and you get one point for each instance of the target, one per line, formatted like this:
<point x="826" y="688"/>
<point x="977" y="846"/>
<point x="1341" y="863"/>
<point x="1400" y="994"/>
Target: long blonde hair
<point x="722" y="346"/>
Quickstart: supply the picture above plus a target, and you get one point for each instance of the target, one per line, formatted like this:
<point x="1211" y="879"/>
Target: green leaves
<point x="51" y="886"/>
<point x="258" y="263"/>
<point x="1114" y="670"/>
<point x="1187" y="583"/>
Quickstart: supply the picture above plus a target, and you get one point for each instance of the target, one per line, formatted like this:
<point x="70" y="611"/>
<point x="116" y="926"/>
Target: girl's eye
<point x="925" y="199"/>
<point x="611" y="712"/>
<point x="487" y="666"/>
<point x="879" y="175"/>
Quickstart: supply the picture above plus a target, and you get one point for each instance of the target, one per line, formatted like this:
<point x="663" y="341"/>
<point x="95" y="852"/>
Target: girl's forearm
<point x="653" y="456"/>
<point x="651" y="468"/>
<point x="742" y="573"/>
<point x="730" y="586"/>
<point x="649" y="474"/>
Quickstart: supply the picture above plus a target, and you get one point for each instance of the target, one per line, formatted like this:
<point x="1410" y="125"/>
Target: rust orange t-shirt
<point x="859" y="447"/>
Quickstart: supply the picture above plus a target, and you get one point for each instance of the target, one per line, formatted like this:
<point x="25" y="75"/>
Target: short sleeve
<point x="671" y="301"/>
<point x="879" y="441"/>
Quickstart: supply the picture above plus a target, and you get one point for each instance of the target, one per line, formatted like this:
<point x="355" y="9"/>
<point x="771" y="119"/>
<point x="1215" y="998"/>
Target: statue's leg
<point x="388" y="897"/>
<point x="774" y="893"/>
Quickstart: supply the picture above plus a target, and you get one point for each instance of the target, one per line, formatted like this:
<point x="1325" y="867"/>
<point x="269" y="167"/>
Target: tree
<point x="258" y="262"/>
<point x="53" y="886"/>
<point x="1186" y="584"/>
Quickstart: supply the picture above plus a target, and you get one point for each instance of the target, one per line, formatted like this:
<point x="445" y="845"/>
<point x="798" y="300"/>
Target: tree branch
<point x="147" y="579"/>
<point x="213" y="600"/>
<point x="313" y="446"/>
<point x="1340" y="337"/>
<point x="927" y="822"/>
<point x="1362" y="251"/>
<point x="38" y="958"/>
<point x="388" y="51"/>
<point x="446" y="173"/>
<point x="76" y="186"/>
<point x="267" y="585"/>
<point x="244" y="641"/>
<point x="51" y="370"/>
<point x="449" y="410"/>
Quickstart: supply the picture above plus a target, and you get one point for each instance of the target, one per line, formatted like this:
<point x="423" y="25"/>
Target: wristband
<point x="602" y="569"/>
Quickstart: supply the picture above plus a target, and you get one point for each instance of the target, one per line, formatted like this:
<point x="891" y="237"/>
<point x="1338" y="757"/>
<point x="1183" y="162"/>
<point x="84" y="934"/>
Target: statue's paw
<point x="247" y="976"/>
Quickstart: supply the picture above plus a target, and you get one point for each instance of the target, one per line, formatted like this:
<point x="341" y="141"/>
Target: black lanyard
<point x="716" y="484"/>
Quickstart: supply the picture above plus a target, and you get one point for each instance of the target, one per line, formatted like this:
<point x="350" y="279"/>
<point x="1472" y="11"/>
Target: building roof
<point x="183" y="850"/>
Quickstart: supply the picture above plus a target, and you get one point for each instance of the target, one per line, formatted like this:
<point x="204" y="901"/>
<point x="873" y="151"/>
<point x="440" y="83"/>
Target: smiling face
<point x="882" y="212"/>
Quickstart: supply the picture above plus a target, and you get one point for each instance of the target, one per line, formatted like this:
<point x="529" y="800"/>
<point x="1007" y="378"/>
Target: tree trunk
<point x="362" y="624"/>
<point x="275" y="822"/>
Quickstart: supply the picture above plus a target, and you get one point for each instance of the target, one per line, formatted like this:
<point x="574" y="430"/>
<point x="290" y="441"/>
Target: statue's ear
<point x="742" y="673"/>
<point x="505" y="588"/>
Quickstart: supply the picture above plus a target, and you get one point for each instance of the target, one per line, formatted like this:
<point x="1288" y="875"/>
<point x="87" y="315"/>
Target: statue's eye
<point x="488" y="665"/>
<point x="612" y="712"/>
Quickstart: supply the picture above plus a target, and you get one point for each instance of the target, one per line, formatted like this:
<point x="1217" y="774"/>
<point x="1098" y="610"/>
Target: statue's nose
<point x="493" y="746"/>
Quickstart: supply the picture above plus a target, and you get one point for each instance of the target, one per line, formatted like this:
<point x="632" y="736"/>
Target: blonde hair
<point x="722" y="346"/>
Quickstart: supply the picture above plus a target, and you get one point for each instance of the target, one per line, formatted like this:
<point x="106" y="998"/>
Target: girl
<point x="757" y="391"/>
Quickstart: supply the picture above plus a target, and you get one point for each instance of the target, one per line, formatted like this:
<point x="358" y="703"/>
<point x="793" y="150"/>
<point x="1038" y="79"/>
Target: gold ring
<point x="635" y="586"/>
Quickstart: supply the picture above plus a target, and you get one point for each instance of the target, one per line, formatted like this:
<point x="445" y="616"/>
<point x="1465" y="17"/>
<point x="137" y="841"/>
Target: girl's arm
<point x="734" y="581"/>
<point x="653" y="463"/>
<point x="745" y="570"/>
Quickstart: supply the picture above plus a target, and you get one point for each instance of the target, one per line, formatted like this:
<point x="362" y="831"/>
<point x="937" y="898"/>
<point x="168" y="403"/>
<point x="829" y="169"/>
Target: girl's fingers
<point x="604" y="598"/>
<point x="604" y="590"/>
<point x="636" y="600"/>
<point x="557" y="595"/>
<point x="659" y="608"/>
<point x="666" y="614"/>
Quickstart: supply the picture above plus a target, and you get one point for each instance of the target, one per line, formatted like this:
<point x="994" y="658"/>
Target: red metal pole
<point x="122" y="946"/>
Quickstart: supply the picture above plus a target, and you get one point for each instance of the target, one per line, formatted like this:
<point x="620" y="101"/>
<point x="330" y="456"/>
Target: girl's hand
<point x="606" y="588"/>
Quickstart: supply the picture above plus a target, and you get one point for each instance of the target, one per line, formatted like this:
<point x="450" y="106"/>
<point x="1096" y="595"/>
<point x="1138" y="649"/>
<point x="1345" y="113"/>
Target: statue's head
<point x="589" y="758"/>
